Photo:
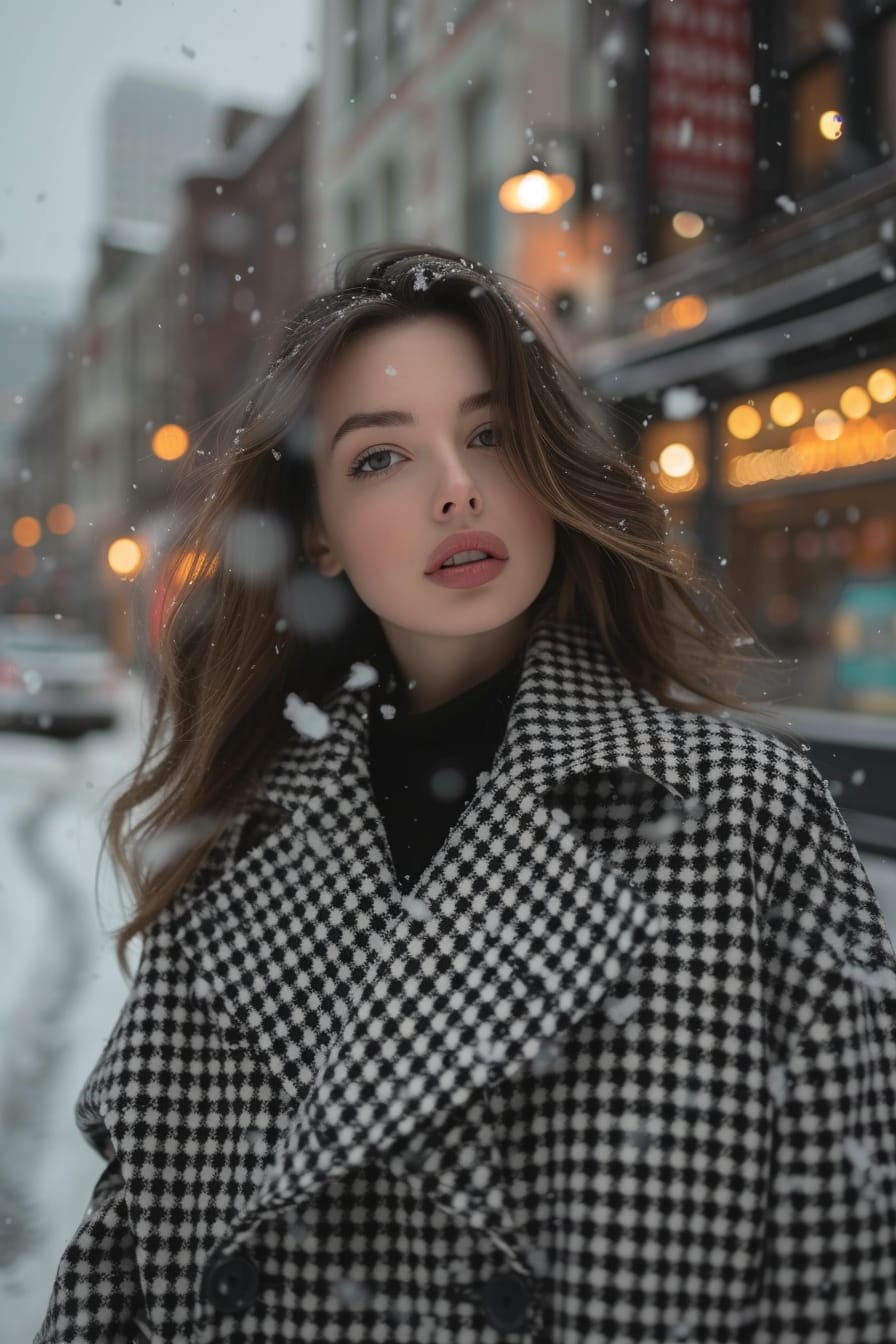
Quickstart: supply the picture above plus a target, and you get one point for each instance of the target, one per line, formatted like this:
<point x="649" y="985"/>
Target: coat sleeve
<point x="96" y="1296"/>
<point x="830" y="1239"/>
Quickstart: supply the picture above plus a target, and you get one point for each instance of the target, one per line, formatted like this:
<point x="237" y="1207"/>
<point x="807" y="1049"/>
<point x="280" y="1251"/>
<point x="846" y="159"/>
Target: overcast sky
<point x="59" y="59"/>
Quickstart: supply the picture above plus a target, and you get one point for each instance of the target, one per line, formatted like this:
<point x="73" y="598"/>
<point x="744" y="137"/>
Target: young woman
<point x="494" y="982"/>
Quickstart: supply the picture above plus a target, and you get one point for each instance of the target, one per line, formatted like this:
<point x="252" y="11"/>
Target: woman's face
<point x="389" y="495"/>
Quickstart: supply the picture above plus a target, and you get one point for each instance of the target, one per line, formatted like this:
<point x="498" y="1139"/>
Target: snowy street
<point x="61" y="990"/>
<point x="60" y="993"/>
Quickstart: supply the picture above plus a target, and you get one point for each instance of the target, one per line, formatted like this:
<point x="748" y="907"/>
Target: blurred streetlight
<point x="170" y="442"/>
<point x="539" y="190"/>
<point x="687" y="224"/>
<point x="60" y="519"/>
<point x="831" y="125"/>
<point x="26" y="531"/>
<point x="125" y="557"/>
<point x="536" y="193"/>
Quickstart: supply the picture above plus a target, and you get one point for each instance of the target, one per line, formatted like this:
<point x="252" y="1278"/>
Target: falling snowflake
<point x="777" y="1083"/>
<point x="361" y="676"/>
<point x="416" y="908"/>
<point x="307" y="719"/>
<point x="682" y="403"/>
<point x="620" y="1010"/>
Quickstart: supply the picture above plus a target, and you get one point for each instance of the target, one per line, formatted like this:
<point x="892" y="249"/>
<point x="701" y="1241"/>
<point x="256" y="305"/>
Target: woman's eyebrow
<point x="382" y="419"/>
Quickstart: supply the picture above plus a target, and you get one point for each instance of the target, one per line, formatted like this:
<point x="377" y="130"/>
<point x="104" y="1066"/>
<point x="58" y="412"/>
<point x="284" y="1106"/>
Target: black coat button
<point x="505" y="1302"/>
<point x="230" y="1283"/>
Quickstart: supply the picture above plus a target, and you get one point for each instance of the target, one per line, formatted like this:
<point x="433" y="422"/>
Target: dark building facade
<point x="754" y="337"/>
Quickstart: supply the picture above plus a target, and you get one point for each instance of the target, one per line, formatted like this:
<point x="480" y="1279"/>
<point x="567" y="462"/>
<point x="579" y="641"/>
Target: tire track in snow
<point x="36" y="1041"/>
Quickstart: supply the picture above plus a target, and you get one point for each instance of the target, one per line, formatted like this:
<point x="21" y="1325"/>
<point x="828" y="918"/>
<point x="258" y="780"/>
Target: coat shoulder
<point x="718" y="752"/>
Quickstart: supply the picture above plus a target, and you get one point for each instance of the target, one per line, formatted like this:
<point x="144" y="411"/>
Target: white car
<point x="55" y="677"/>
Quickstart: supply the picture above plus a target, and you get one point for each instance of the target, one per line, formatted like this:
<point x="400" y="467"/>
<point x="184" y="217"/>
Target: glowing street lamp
<point x="125" y="557"/>
<point x="536" y="193"/>
<point x="26" y="531"/>
<point x="538" y="190"/>
<point x="169" y="442"/>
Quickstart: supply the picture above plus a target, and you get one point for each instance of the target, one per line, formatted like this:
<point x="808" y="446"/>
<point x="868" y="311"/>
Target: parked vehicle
<point x="55" y="677"/>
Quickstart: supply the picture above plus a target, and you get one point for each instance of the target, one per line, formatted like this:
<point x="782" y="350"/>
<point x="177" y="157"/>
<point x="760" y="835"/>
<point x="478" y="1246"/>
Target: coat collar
<point x="385" y="1015"/>
<point x="574" y="711"/>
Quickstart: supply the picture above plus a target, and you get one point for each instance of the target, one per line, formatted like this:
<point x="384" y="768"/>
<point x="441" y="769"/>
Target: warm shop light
<point x="831" y="125"/>
<point x="26" y="531"/>
<point x="536" y="192"/>
<point x="855" y="402"/>
<point x="882" y="385"/>
<point x="744" y="422"/>
<point x="678" y="315"/>
<point x="60" y="519"/>
<point x="828" y="424"/>
<point x="786" y="409"/>
<point x="676" y="460"/>
<point x="687" y="224"/>
<point x="861" y="442"/>
<point x="125" y="558"/>
<point x="170" y="442"/>
<point x="688" y="311"/>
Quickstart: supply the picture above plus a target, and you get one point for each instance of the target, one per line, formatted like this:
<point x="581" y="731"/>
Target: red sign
<point x="701" y="118"/>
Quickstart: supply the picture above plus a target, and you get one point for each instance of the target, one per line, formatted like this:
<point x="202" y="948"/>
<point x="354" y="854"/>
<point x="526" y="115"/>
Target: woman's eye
<point x="490" y="429"/>
<point x="357" y="469"/>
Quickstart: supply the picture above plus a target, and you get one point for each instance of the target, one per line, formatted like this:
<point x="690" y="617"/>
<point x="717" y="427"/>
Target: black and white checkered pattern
<point x="622" y="1067"/>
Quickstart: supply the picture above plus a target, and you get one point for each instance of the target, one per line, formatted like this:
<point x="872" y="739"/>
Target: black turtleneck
<point x="424" y="767"/>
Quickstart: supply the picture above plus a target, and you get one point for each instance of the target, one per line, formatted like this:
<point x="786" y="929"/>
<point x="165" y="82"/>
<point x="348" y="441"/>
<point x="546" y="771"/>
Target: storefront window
<point x="810" y="470"/>
<point x="885" y="51"/>
<point x="810" y="25"/>
<point x="817" y="141"/>
<point x="673" y="461"/>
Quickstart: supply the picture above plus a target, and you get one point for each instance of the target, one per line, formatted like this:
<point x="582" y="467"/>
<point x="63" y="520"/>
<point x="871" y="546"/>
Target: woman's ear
<point x="318" y="552"/>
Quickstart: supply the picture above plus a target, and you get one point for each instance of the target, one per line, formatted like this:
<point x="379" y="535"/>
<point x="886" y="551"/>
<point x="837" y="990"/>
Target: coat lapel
<point x="386" y="1016"/>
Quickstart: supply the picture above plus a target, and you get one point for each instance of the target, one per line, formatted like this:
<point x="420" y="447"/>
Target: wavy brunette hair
<point x="251" y="620"/>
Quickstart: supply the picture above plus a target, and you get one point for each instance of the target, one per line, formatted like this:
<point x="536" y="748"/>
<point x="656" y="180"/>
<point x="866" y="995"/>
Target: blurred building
<point x="31" y="332"/>
<point x="754" y="319"/>
<point x="153" y="133"/>
<point x="704" y="194"/>
<point x="175" y="322"/>
<point x="426" y="110"/>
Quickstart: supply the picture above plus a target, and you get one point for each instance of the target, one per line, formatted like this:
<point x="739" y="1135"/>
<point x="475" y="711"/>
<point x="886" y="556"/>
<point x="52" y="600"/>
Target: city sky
<point x="59" y="62"/>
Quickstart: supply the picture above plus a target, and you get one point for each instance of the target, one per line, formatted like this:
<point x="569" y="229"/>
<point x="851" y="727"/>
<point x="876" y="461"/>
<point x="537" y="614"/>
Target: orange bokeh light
<point x="170" y="442"/>
<point x="60" y="519"/>
<point x="26" y="531"/>
<point x="125" y="557"/>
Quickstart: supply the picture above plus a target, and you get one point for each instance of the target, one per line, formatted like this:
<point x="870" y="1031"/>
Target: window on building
<point x="480" y="189"/>
<point x="398" y="24"/>
<point x="816" y="91"/>
<point x="884" y="49"/>
<point x="810" y="26"/>
<point x="354" y="48"/>
<point x="354" y="222"/>
<point x="392" y="210"/>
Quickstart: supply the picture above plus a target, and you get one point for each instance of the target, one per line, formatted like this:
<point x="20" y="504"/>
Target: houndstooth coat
<point x="622" y="1067"/>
